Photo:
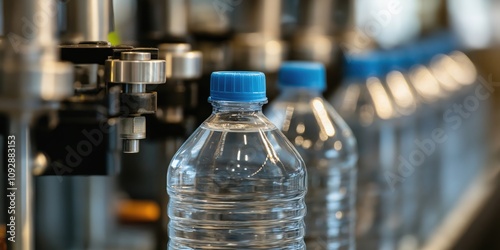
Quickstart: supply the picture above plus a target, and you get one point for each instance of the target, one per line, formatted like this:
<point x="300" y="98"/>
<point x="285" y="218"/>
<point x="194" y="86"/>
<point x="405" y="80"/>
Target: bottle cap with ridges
<point x="238" y="86"/>
<point x="302" y="74"/>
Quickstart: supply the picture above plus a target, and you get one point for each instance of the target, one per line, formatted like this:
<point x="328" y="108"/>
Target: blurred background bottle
<point x="426" y="94"/>
<point x="368" y="109"/>
<point x="237" y="182"/>
<point x="328" y="148"/>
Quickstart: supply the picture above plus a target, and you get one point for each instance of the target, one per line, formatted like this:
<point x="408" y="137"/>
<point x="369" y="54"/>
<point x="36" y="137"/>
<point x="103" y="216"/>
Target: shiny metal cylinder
<point x="34" y="82"/>
<point x="88" y="20"/>
<point x="135" y="68"/>
<point x="135" y="56"/>
<point x="181" y="62"/>
<point x="30" y="30"/>
<point x="22" y="191"/>
<point x="133" y="127"/>
<point x="29" y="67"/>
<point x="134" y="88"/>
<point x="130" y="146"/>
<point x="260" y="16"/>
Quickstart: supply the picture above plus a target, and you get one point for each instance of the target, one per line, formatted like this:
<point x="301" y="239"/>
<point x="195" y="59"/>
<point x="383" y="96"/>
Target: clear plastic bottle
<point x="453" y="156"/>
<point x="464" y="115"/>
<point x="328" y="148"/>
<point x="476" y="99"/>
<point x="366" y="105"/>
<point x="237" y="182"/>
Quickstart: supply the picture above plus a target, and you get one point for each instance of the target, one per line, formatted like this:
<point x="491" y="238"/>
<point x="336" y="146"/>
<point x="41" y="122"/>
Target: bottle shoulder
<point x="238" y="122"/>
<point x="367" y="103"/>
<point x="256" y="152"/>
<point x="313" y="125"/>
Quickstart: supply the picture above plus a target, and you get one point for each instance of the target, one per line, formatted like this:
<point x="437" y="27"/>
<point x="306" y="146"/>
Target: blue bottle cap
<point x="389" y="60"/>
<point x="238" y="86"/>
<point x="410" y="56"/>
<point x="302" y="74"/>
<point x="363" y="66"/>
<point x="396" y="59"/>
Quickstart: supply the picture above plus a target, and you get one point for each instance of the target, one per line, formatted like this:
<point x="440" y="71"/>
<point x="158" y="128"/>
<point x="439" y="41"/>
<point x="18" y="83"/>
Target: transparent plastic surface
<point x="237" y="183"/>
<point x="421" y="132"/>
<point x="328" y="148"/>
<point x="406" y="178"/>
<point x="477" y="101"/>
<point x="431" y="98"/>
<point x="465" y="117"/>
<point x="369" y="111"/>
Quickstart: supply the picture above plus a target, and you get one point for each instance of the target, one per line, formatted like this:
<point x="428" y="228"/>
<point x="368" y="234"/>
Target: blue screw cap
<point x="302" y="74"/>
<point x="238" y="86"/>
<point x="396" y="59"/>
<point x="362" y="66"/>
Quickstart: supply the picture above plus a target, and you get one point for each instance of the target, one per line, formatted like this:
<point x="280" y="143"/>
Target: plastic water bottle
<point x="328" y="148"/>
<point x="476" y="99"/>
<point x="367" y="107"/>
<point x="237" y="182"/>
<point x="452" y="154"/>
<point x="465" y="114"/>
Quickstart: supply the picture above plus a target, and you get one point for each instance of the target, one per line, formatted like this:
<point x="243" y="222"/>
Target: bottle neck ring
<point x="225" y="106"/>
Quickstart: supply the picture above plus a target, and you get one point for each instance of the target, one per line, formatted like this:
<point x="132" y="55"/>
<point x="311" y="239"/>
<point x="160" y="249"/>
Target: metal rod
<point x="30" y="31"/>
<point x="134" y="88"/>
<point x="19" y="127"/>
<point x="130" y="146"/>
<point x="95" y="19"/>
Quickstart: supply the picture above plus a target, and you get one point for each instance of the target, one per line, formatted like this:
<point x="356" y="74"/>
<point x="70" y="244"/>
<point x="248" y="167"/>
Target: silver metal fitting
<point x="181" y="62"/>
<point x="132" y="129"/>
<point x="135" y="68"/>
